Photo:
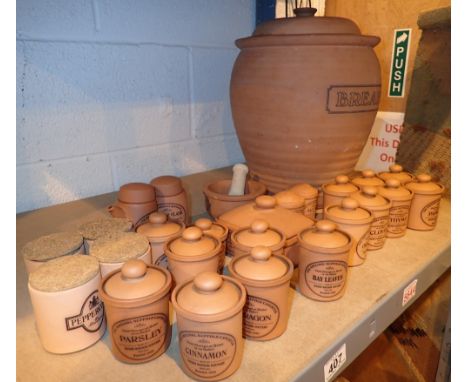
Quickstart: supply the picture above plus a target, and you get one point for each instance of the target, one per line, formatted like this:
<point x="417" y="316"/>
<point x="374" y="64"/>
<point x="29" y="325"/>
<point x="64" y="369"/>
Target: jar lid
<point x="341" y="187"/>
<point x="394" y="191"/>
<point x="159" y="228"/>
<point x="396" y="172"/>
<point x="209" y="227"/>
<point x="369" y="197"/>
<point x="96" y="228"/>
<point x="192" y="243"/>
<point x="136" y="193"/>
<point x="258" y="233"/>
<point x="289" y="199"/>
<point x="167" y="185"/>
<point x="424" y="185"/>
<point x="367" y="178"/>
<point x="305" y="190"/>
<point x="135" y="280"/>
<point x="64" y="273"/>
<point x="324" y="235"/>
<point x="349" y="210"/>
<point x="52" y="246"/>
<point x="118" y="247"/>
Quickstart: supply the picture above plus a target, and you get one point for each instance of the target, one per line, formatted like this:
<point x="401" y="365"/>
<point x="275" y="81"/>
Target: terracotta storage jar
<point x="136" y="299"/>
<point x="219" y="202"/>
<point x="367" y="178"/>
<point x="220" y="232"/>
<point x="310" y="195"/>
<point x="136" y="201"/>
<point x="334" y="193"/>
<point x="48" y="247"/>
<point x="209" y="323"/>
<point x="95" y="229"/>
<point x="265" y="208"/>
<point x="64" y="295"/>
<point x="401" y="198"/>
<point x="323" y="261"/>
<point x="266" y="277"/>
<point x="425" y="204"/>
<point x="291" y="201"/>
<point x="114" y="250"/>
<point x="302" y="108"/>
<point x="395" y="171"/>
<point x="191" y="254"/>
<point x="172" y="198"/>
<point x="159" y="230"/>
<point x="369" y="199"/>
<point x="355" y="221"/>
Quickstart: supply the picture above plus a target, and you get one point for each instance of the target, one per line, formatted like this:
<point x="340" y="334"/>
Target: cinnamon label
<point x="260" y="317"/>
<point x="207" y="354"/>
<point x="378" y="231"/>
<point x="361" y="247"/>
<point x="174" y="211"/>
<point x="398" y="219"/>
<point x="430" y="212"/>
<point x="326" y="278"/>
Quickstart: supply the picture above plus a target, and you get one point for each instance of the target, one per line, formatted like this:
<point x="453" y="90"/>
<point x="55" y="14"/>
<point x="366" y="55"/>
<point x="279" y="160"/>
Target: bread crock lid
<point x="96" y="228"/>
<point x="393" y="190"/>
<point x="367" y="178"/>
<point x="289" y="199"/>
<point x="211" y="228"/>
<point x="52" y="246"/>
<point x="349" y="210"/>
<point x="369" y="197"/>
<point x="136" y="193"/>
<point x="192" y="243"/>
<point x="424" y="185"/>
<point x="324" y="235"/>
<point x="119" y="247"/>
<point x="396" y="172"/>
<point x="259" y="233"/>
<point x="341" y="187"/>
<point x="167" y="185"/>
<point x="305" y="190"/>
<point x="159" y="228"/>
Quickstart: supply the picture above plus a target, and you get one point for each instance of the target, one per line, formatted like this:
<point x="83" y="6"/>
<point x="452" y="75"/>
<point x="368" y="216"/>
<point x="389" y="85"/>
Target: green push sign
<point x="401" y="45"/>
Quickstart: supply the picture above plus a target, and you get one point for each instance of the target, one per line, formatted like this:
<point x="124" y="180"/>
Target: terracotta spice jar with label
<point x="395" y="171"/>
<point x="267" y="278"/>
<point x="209" y="324"/>
<point x="115" y="249"/>
<point x="158" y="231"/>
<point x="369" y="199"/>
<point x="220" y="232"/>
<point x="367" y="178"/>
<point x="291" y="201"/>
<point x="310" y="195"/>
<point x="48" y="247"/>
<point x="136" y="299"/>
<point x="323" y="261"/>
<point x="400" y="198"/>
<point x="355" y="221"/>
<point x="425" y="204"/>
<point x="64" y="295"/>
<point x="334" y="193"/>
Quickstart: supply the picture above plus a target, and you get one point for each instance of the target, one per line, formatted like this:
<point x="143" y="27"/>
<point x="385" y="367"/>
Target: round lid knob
<point x="208" y="282"/>
<point x="368" y="174"/>
<point x="265" y="201"/>
<point x="395" y="168"/>
<point x="325" y="226"/>
<point x="349" y="204"/>
<point x="392" y="183"/>
<point x="192" y="234"/>
<point x="369" y="191"/>
<point x="259" y="226"/>
<point x="158" y="218"/>
<point x="134" y="269"/>
<point x="342" y="179"/>
<point x="424" y="178"/>
<point x="260" y="253"/>
<point x="305" y="11"/>
<point x="204" y="224"/>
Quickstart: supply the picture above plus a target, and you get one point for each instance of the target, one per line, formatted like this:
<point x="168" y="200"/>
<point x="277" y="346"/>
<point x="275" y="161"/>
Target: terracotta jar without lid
<point x="68" y="312"/>
<point x="291" y="201"/>
<point x="367" y="178"/>
<point x="323" y="261"/>
<point x="136" y="299"/>
<point x="172" y="198"/>
<point x="45" y="248"/>
<point x="158" y="230"/>
<point x="334" y="193"/>
<point x="266" y="277"/>
<point x="191" y="254"/>
<point x="209" y="325"/>
<point x="395" y="171"/>
<point x="401" y="198"/>
<point x="265" y="208"/>
<point x="355" y="221"/>
<point x="310" y="195"/>
<point x="220" y="232"/>
<point x="369" y="199"/>
<point x="243" y="240"/>
<point x="425" y="204"/>
<point x="136" y="201"/>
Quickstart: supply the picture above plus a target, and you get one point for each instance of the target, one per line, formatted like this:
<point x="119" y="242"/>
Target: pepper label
<point x="91" y="315"/>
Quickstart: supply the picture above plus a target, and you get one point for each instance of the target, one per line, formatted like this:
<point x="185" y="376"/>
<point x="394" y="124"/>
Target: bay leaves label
<point x="352" y="98"/>
<point x="326" y="278"/>
<point x="91" y="315"/>
<point x="260" y="317"/>
<point x="398" y="219"/>
<point x="430" y="212"/>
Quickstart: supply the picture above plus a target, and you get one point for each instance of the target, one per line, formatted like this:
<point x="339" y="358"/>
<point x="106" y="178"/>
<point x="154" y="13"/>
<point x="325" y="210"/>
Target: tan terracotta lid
<point x="135" y="280"/>
<point x="369" y="197"/>
<point x="305" y="190"/>
<point x="209" y="227"/>
<point x="258" y="233"/>
<point x="159" y="228"/>
<point x="119" y="247"/>
<point x="396" y="172"/>
<point x="64" y="273"/>
<point x="349" y="210"/>
<point x="209" y="293"/>
<point x="367" y="178"/>
<point x="324" y="235"/>
<point x="167" y="185"/>
<point x="136" y="193"/>
<point x="341" y="187"/>
<point x="100" y="227"/>
<point x="424" y="185"/>
<point x="394" y="191"/>
<point x="261" y="265"/>
<point x="289" y="199"/>
<point x="52" y="246"/>
<point x="192" y="243"/>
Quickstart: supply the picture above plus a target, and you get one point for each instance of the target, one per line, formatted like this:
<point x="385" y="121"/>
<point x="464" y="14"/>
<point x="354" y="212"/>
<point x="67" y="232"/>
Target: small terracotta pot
<point x="64" y="295"/>
<point x="267" y="278"/>
<point x="395" y="171"/>
<point x="334" y="193"/>
<point x="291" y="201"/>
<point x="367" y="178"/>
<point x="425" y="204"/>
<point x="191" y="254"/>
<point x="323" y="261"/>
<point x="218" y="201"/>
<point x="401" y="199"/>
<point x="220" y="232"/>
<point x="310" y="195"/>
<point x="209" y="323"/>
<point x="355" y="221"/>
<point x="136" y="299"/>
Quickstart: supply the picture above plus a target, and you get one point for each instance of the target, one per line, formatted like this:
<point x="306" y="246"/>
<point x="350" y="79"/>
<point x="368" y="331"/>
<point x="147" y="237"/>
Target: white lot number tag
<point x="409" y="292"/>
<point x="335" y="363"/>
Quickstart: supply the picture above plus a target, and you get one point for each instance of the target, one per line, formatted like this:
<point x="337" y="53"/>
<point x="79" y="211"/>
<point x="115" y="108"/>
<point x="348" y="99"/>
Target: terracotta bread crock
<point x="310" y="195"/>
<point x="395" y="171"/>
<point x="136" y="299"/>
<point x="220" y="232"/>
<point x="323" y="261"/>
<point x="266" y="277"/>
<point x="425" y="204"/>
<point x="335" y="192"/>
<point x="367" y="178"/>
<point x="304" y="94"/>
<point x="209" y="323"/>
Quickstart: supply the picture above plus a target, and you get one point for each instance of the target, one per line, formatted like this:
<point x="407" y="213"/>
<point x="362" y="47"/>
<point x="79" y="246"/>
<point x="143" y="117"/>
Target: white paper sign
<point x="409" y="292"/>
<point x="334" y="363"/>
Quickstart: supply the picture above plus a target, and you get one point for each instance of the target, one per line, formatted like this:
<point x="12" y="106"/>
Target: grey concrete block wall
<point x="110" y="92"/>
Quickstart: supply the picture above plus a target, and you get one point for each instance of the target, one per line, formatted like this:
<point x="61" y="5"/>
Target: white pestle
<point x="239" y="176"/>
